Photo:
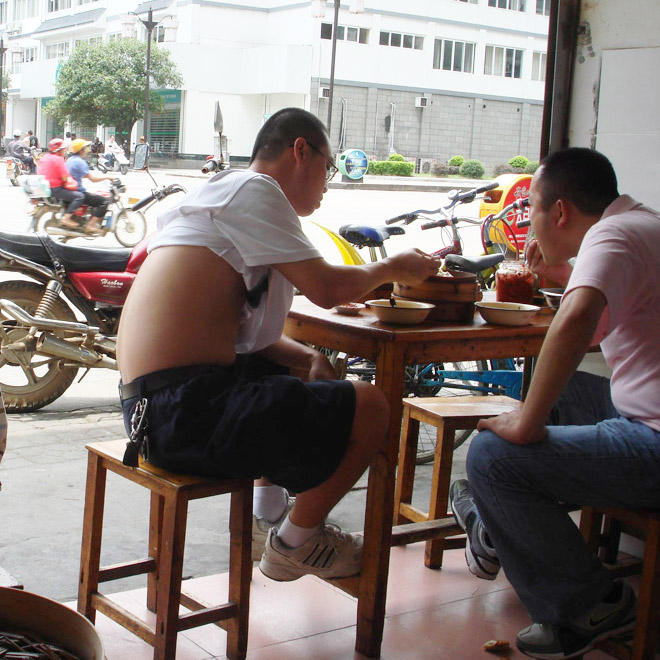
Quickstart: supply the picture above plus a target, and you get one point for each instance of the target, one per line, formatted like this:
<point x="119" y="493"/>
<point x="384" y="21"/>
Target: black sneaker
<point x="479" y="552"/>
<point x="612" y="616"/>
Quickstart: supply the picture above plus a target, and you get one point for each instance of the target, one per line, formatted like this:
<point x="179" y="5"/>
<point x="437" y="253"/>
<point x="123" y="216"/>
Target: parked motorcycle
<point x="129" y="226"/>
<point x="117" y="164"/>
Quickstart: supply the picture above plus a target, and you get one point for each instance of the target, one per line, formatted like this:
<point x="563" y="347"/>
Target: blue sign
<point x="353" y="163"/>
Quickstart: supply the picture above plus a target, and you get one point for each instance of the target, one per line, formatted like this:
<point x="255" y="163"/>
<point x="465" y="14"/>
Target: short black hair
<point x="281" y="130"/>
<point x="584" y="177"/>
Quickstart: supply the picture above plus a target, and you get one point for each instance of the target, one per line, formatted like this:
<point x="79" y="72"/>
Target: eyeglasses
<point x="330" y="167"/>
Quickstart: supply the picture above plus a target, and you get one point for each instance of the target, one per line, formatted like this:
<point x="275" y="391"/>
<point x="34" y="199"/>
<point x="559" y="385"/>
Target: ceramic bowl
<point x="507" y="313"/>
<point x="349" y="309"/>
<point x="553" y="297"/>
<point x="406" y="312"/>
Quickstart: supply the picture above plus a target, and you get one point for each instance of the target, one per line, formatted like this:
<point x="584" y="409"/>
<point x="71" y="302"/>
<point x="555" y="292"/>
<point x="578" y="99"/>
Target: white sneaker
<point x="261" y="527"/>
<point x="330" y="553"/>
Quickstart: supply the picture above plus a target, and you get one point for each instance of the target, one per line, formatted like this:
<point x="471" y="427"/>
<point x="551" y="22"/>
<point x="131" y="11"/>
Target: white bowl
<point x="553" y="297"/>
<point x="406" y="312"/>
<point x="507" y="313"/>
<point x="349" y="309"/>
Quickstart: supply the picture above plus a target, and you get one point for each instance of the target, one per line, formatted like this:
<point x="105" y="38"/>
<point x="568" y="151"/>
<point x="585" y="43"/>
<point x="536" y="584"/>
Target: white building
<point x="425" y="78"/>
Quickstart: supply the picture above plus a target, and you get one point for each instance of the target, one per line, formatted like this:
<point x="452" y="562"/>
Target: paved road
<point x="43" y="471"/>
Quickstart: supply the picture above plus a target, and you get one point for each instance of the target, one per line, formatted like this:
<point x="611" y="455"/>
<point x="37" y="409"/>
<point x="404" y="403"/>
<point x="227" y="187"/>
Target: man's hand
<point x="414" y="266"/>
<point x="560" y="274"/>
<point x="510" y="427"/>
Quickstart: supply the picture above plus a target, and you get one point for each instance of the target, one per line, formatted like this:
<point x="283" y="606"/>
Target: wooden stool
<point x="170" y="494"/>
<point x="646" y="524"/>
<point x="448" y="415"/>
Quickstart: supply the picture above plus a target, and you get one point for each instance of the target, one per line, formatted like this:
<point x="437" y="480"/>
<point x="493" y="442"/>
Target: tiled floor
<point x="444" y="614"/>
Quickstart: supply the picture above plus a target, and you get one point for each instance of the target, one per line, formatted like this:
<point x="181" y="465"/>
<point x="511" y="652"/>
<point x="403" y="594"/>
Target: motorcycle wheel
<point x="123" y="169"/>
<point x="43" y="217"/>
<point x="131" y="227"/>
<point x="41" y="379"/>
<point x="14" y="178"/>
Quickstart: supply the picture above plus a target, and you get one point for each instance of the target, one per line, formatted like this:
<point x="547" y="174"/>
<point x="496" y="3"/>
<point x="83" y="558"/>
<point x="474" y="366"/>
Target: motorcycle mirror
<point x="141" y="157"/>
<point x="218" y="123"/>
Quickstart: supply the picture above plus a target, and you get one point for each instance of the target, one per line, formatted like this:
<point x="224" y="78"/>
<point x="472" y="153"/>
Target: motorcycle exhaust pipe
<point x="20" y="315"/>
<point x="56" y="347"/>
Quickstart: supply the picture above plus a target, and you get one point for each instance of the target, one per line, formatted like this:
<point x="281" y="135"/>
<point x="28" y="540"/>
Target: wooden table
<point x="391" y="348"/>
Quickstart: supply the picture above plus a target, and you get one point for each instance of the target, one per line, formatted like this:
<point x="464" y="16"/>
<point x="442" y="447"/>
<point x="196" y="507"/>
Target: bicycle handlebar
<point x="436" y="223"/>
<point x="469" y="196"/>
<point x="406" y="218"/>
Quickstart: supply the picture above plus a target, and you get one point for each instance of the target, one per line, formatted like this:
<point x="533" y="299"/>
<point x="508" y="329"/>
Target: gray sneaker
<point x="261" y="527"/>
<point x="330" y="553"/>
<point x="480" y="554"/>
<point x="578" y="636"/>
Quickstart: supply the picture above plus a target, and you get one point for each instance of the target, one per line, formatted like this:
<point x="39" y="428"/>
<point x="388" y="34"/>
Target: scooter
<point x="43" y="343"/>
<point x="117" y="163"/>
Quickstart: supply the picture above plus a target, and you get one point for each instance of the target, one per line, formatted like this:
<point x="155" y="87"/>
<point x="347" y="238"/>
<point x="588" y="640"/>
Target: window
<point x="92" y="41"/>
<point x="514" y="5"/>
<point x="538" y="66"/>
<point x="543" y="7"/>
<point x="25" y="9"/>
<point x="85" y="2"/>
<point x="505" y="62"/>
<point x="30" y="54"/>
<point x="453" y="56"/>
<point x="346" y="33"/>
<point x="113" y="35"/>
<point x="56" y="5"/>
<point x="158" y="34"/>
<point x="3" y="11"/>
<point x="57" y="51"/>
<point x="472" y="2"/>
<point x="398" y="40"/>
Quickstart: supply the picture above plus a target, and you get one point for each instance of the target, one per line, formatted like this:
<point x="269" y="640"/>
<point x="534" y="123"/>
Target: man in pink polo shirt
<point x="521" y="472"/>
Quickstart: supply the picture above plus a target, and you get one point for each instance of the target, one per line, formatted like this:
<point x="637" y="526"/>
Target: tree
<point x="106" y="84"/>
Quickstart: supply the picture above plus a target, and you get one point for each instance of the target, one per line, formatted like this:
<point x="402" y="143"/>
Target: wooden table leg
<point x="380" y="509"/>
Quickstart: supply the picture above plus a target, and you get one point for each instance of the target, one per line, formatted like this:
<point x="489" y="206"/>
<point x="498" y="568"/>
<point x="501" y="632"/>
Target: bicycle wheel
<point x="498" y="236"/>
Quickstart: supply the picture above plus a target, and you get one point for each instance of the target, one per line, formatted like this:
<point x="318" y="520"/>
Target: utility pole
<point x="149" y="25"/>
<point x="332" y="66"/>
<point x="3" y="50"/>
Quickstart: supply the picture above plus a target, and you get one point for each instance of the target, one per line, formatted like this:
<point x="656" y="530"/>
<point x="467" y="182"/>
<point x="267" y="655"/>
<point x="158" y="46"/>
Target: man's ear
<point x="564" y="212"/>
<point x="299" y="145"/>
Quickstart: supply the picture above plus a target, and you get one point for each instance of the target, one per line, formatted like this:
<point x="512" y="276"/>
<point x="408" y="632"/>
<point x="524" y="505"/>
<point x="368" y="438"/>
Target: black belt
<point x="148" y="383"/>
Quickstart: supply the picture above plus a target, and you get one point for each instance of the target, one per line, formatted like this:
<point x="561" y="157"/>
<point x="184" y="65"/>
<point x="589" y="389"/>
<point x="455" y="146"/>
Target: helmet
<point x="55" y="144"/>
<point x="17" y="133"/>
<point x="78" y="145"/>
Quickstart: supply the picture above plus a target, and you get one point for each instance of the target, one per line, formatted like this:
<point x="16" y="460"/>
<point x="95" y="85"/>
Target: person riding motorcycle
<point x="111" y="149"/>
<point x="53" y="167"/>
<point x="18" y="149"/>
<point x="79" y="169"/>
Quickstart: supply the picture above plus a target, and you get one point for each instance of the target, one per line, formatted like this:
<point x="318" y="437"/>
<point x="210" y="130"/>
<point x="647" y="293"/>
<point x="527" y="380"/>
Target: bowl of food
<point x="349" y="309"/>
<point x="553" y="297"/>
<point x="507" y="313"/>
<point x="400" y="312"/>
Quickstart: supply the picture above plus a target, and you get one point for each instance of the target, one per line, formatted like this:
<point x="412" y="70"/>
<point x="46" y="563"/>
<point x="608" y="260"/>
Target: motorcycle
<point x="128" y="225"/>
<point x="117" y="164"/>
<point x="16" y="168"/>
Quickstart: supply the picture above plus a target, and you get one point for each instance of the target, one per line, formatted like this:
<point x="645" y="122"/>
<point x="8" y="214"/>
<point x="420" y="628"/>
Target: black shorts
<point x="246" y="421"/>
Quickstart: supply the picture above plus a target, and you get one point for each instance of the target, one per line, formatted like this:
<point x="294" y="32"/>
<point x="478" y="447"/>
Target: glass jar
<point x="514" y="282"/>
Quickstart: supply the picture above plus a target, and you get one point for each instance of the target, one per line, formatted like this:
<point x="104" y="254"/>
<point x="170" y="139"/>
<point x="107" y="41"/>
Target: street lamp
<point x="149" y="25"/>
<point x="3" y="50"/>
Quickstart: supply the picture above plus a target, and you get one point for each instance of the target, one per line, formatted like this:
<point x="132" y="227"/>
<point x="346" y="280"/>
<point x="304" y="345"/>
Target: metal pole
<point x="332" y="65"/>
<point x="149" y="24"/>
<point x="3" y="50"/>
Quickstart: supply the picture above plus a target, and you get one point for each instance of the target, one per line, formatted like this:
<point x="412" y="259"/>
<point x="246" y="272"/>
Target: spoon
<point x="392" y="302"/>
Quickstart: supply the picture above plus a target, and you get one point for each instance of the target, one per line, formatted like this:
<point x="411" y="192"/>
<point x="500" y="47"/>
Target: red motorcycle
<point x="44" y="342"/>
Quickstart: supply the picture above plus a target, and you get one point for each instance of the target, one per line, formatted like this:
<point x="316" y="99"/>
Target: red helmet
<point x="56" y="144"/>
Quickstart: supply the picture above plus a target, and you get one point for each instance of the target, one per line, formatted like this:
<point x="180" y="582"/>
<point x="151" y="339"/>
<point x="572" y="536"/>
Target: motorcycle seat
<point x="74" y="259"/>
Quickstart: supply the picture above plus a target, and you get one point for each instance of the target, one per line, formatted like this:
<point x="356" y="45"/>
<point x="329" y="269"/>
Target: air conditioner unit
<point x="421" y="101"/>
<point x="424" y="165"/>
<point x="13" y="29"/>
<point x="324" y="92"/>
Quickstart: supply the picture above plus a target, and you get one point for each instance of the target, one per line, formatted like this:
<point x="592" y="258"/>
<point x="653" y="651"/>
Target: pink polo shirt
<point x="620" y="257"/>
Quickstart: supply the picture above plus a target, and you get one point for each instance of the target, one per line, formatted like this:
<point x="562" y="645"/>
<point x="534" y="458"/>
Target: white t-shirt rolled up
<point x="244" y="218"/>
<point x="619" y="257"/>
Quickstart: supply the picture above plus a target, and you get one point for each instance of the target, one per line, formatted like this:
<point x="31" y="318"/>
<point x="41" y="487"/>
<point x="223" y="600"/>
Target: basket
<point x="35" y="185"/>
<point x="453" y="296"/>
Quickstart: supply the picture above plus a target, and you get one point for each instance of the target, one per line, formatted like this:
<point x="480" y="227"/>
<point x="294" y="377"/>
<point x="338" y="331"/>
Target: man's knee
<point x="481" y="454"/>
<point x="372" y="412"/>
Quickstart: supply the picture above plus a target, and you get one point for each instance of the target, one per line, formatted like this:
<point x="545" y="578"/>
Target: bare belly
<point x="183" y="309"/>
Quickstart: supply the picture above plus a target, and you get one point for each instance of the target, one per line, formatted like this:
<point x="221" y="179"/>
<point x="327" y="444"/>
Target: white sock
<point x="293" y="536"/>
<point x="270" y="502"/>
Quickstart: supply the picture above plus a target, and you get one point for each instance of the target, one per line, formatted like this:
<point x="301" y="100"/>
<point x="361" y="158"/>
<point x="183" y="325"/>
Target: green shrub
<point x="472" y="169"/>
<point x="397" y="158"/>
<point x="456" y="161"/>
<point x="532" y="166"/>
<point x="519" y="161"/>
<point x="391" y="167"/>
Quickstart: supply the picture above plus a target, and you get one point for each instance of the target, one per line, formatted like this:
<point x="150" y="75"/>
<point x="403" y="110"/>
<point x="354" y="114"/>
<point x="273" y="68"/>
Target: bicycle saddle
<point x="475" y="265"/>
<point x="367" y="236"/>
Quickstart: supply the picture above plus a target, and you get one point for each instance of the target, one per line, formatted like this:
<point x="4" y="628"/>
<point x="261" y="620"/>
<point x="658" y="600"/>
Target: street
<point x="43" y="471"/>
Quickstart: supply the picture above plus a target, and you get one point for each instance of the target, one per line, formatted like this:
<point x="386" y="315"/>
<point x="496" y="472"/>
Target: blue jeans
<point x="522" y="493"/>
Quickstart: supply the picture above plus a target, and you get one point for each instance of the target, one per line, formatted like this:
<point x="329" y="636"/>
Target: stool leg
<point x="170" y="571"/>
<point x="240" y="571"/>
<point x="590" y="526"/>
<point x="90" y="554"/>
<point x="444" y="454"/>
<point x="155" y="543"/>
<point x="405" y="477"/>
<point x="648" y="606"/>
